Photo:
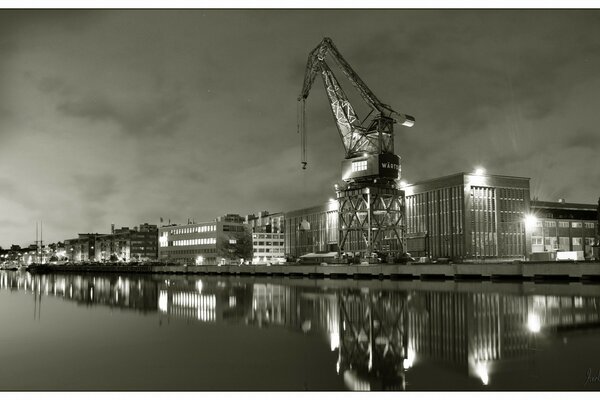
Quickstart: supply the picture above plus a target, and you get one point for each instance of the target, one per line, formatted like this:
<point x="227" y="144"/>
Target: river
<point x="178" y="332"/>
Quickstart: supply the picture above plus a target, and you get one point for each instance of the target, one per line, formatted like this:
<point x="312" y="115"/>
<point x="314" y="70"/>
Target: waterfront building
<point x="137" y="244"/>
<point x="82" y="248"/>
<point x="468" y="216"/>
<point x="267" y="237"/>
<point x="561" y="226"/>
<point x="203" y="243"/>
<point x="312" y="230"/>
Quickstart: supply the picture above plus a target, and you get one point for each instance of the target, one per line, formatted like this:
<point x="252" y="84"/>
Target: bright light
<point x="334" y="340"/>
<point x="533" y="323"/>
<point x="331" y="199"/>
<point x="410" y="359"/>
<point x="479" y="171"/>
<point x="199" y="260"/>
<point x="403" y="183"/>
<point x="482" y="371"/>
<point x="199" y="286"/>
<point x="530" y="221"/>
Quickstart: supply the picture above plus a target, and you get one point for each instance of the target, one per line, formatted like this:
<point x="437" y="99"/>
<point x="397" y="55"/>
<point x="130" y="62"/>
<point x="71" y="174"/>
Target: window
<point x="589" y="225"/>
<point x="359" y="166"/>
<point x="576" y="241"/>
<point x="589" y="241"/>
<point x="575" y="224"/>
<point x="563" y="224"/>
<point x="232" y="241"/>
<point x="549" y="224"/>
<point x="536" y="240"/>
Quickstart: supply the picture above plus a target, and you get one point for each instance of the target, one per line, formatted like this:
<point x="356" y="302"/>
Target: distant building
<point x="468" y="216"/>
<point x="137" y="244"/>
<point x="82" y="248"/>
<point x="267" y="237"/>
<point x="202" y="243"/>
<point x="561" y="226"/>
<point x="124" y="244"/>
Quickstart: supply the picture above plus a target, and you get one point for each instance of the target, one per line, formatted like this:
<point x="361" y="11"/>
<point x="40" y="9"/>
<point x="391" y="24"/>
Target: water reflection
<point x="378" y="335"/>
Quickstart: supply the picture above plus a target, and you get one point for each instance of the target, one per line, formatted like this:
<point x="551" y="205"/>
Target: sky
<point x="127" y="116"/>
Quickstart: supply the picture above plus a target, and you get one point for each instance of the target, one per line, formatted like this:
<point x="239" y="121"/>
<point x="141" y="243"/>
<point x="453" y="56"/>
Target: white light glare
<point x="479" y="171"/>
<point x="482" y="372"/>
<point x="409" y="360"/>
<point x="533" y="323"/>
<point x="530" y="221"/>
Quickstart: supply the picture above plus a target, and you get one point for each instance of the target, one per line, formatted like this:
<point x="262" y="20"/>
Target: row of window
<point x="194" y="242"/>
<point x="262" y="243"/>
<point x="565" y="224"/>
<point x="194" y="251"/>
<point x="205" y="228"/>
<point x="274" y="250"/>
<point x="577" y="241"/>
<point x="267" y="235"/>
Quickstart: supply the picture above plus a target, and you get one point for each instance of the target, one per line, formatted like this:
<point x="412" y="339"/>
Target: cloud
<point x="162" y="115"/>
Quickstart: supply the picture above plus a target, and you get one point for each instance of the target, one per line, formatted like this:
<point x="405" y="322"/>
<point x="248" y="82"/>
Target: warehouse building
<point x="312" y="230"/>
<point x="563" y="227"/>
<point x="468" y="216"/>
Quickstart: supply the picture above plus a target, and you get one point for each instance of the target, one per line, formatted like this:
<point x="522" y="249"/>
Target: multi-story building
<point x="267" y="237"/>
<point x="139" y="244"/>
<point x="124" y="244"/>
<point x="468" y="216"/>
<point x="203" y="243"/>
<point x="312" y="230"/>
<point x="82" y="248"/>
<point x="561" y="226"/>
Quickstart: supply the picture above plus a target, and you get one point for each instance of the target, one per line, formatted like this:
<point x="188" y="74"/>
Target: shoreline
<point x="522" y="271"/>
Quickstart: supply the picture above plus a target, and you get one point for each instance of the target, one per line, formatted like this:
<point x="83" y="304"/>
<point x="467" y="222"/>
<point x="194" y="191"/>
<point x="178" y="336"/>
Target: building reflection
<point x="135" y="293"/>
<point x="378" y="336"/>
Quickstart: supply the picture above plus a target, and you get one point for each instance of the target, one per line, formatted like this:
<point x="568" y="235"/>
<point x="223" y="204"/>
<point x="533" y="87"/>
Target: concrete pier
<point x="561" y="271"/>
<point x="517" y="271"/>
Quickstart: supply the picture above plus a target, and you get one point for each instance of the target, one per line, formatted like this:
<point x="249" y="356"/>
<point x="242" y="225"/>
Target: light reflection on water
<point x="385" y="336"/>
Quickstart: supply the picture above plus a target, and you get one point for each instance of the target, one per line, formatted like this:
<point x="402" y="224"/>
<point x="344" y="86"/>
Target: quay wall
<point x="567" y="271"/>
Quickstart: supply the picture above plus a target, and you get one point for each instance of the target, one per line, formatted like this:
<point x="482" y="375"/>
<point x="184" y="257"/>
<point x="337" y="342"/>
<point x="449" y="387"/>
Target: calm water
<point x="139" y="332"/>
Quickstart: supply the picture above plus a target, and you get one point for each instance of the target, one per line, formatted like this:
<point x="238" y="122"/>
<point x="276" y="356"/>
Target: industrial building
<point x="468" y="216"/>
<point x="461" y="216"/>
<point x="563" y="227"/>
<point x="267" y="237"/>
<point x="206" y="243"/>
<point x="312" y="230"/>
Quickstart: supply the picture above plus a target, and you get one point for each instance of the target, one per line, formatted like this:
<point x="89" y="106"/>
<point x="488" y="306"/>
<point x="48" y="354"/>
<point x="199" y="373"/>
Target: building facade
<point x="123" y="244"/>
<point x="312" y="230"/>
<point x="468" y="216"/>
<point x="267" y="237"/>
<point x="561" y="226"/>
<point x="202" y="243"/>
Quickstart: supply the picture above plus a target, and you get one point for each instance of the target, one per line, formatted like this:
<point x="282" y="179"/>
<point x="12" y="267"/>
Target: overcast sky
<point x="127" y="116"/>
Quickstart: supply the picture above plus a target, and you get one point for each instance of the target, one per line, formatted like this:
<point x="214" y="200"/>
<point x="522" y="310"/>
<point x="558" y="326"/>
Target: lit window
<point x="575" y="224"/>
<point x="359" y="166"/>
<point x="576" y="241"/>
<point x="232" y="241"/>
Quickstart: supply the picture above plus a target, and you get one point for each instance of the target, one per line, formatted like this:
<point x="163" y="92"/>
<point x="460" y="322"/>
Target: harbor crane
<point x="371" y="205"/>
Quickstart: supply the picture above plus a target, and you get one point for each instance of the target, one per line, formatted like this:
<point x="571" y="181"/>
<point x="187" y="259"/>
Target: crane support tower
<point x="371" y="208"/>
